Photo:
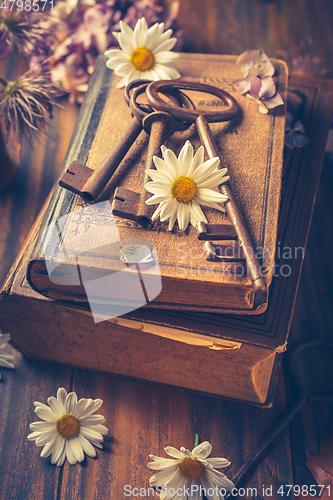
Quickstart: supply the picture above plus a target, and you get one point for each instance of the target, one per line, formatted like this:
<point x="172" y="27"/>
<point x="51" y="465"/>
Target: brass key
<point x="159" y="125"/>
<point x="201" y="119"/>
<point x="88" y="182"/>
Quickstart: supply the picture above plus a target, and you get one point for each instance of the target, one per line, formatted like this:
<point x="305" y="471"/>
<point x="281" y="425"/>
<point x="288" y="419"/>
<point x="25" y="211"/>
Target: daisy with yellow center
<point x="188" y="471"/>
<point x="69" y="429"/>
<point x="144" y="53"/>
<point x="180" y="185"/>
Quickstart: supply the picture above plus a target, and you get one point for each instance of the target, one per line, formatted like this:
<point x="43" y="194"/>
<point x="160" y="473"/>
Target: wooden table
<point x="143" y="418"/>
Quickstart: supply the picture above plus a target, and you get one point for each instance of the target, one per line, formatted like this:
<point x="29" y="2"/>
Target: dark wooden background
<point x="144" y="418"/>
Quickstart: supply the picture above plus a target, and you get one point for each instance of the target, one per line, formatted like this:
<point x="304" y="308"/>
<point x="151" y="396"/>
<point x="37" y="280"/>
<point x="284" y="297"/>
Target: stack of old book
<point x="204" y="330"/>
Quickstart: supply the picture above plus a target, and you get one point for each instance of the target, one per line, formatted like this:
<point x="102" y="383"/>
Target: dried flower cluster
<point x="258" y="83"/>
<point x="75" y="33"/>
<point x="61" y="47"/>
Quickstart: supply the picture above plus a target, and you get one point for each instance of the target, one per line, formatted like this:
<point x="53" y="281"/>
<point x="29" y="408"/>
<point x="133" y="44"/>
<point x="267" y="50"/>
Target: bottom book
<point x="236" y="357"/>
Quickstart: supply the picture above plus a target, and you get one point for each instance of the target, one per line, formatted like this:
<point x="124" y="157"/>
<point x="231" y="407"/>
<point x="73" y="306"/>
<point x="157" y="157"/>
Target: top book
<point x="78" y="246"/>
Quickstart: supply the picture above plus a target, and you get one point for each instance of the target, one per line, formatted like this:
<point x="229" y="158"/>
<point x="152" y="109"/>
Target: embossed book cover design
<point x="250" y="146"/>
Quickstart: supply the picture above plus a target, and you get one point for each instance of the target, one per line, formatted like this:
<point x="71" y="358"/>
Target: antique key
<point x="201" y="119"/>
<point x="88" y="182"/>
<point x="158" y="125"/>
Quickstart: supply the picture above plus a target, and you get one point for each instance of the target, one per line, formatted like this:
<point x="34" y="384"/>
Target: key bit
<point x="218" y="253"/>
<point x="88" y="182"/>
<point x="210" y="232"/>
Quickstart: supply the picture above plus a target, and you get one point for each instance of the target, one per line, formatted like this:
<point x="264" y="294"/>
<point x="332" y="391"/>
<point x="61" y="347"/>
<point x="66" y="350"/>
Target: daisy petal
<point x="171" y="160"/>
<point x="166" y="57"/>
<point x="80" y="407"/>
<point x="161" y="478"/>
<point x="160" y="463"/>
<point x="202" y="450"/>
<point x="91" y="407"/>
<point x="169" y="72"/>
<point x="70" y="452"/>
<point x="46" y="413"/>
<point x="61" y="397"/>
<point x="209" y="195"/>
<point x="71" y="401"/>
<point x="218" y="462"/>
<point x="42" y="426"/>
<point x="58" y="450"/>
<point x="219" y="479"/>
<point x="173" y="452"/>
<point x="157" y="199"/>
<point x="48" y="449"/>
<point x="172" y="221"/>
<point x="169" y="208"/>
<point x="166" y="45"/>
<point x="197" y="212"/>
<point x="86" y="446"/>
<point x="198" y="159"/>
<point x="214" y="180"/>
<point x="92" y="420"/>
<point x="185" y="158"/>
<point x="56" y="406"/>
<point x="140" y="31"/>
<point x="77" y="448"/>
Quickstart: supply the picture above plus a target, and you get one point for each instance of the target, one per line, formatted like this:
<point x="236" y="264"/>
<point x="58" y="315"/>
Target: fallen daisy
<point x="181" y="185"/>
<point x="68" y="429"/>
<point x="5" y="359"/>
<point x="190" y="473"/>
<point x="144" y="53"/>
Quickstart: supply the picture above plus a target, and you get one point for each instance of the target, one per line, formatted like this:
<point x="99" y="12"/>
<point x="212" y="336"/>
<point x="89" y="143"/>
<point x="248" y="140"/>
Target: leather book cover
<point x="251" y="147"/>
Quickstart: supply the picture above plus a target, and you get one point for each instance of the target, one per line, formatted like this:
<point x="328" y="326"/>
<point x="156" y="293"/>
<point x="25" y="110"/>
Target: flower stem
<point x="3" y="81"/>
<point x="196" y="440"/>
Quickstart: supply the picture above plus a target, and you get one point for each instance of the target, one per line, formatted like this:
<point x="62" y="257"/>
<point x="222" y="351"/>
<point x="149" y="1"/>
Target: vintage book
<point x="84" y="249"/>
<point x="233" y="356"/>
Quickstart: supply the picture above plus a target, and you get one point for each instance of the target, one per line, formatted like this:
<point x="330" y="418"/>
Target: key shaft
<point x="89" y="183"/>
<point x="233" y="211"/>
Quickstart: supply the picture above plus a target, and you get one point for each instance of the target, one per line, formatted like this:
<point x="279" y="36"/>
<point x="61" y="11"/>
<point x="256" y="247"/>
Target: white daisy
<point x="145" y="53"/>
<point x="69" y="428"/>
<point x="5" y="359"/>
<point x="181" y="185"/>
<point x="191" y="474"/>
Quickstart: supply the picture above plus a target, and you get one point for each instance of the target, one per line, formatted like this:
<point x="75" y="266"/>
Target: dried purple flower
<point x="85" y="30"/>
<point x="26" y="103"/>
<point x="26" y="33"/>
<point x="261" y="90"/>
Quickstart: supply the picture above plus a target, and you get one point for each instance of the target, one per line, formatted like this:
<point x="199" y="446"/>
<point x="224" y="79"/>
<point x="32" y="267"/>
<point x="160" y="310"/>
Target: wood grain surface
<point x="143" y="418"/>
